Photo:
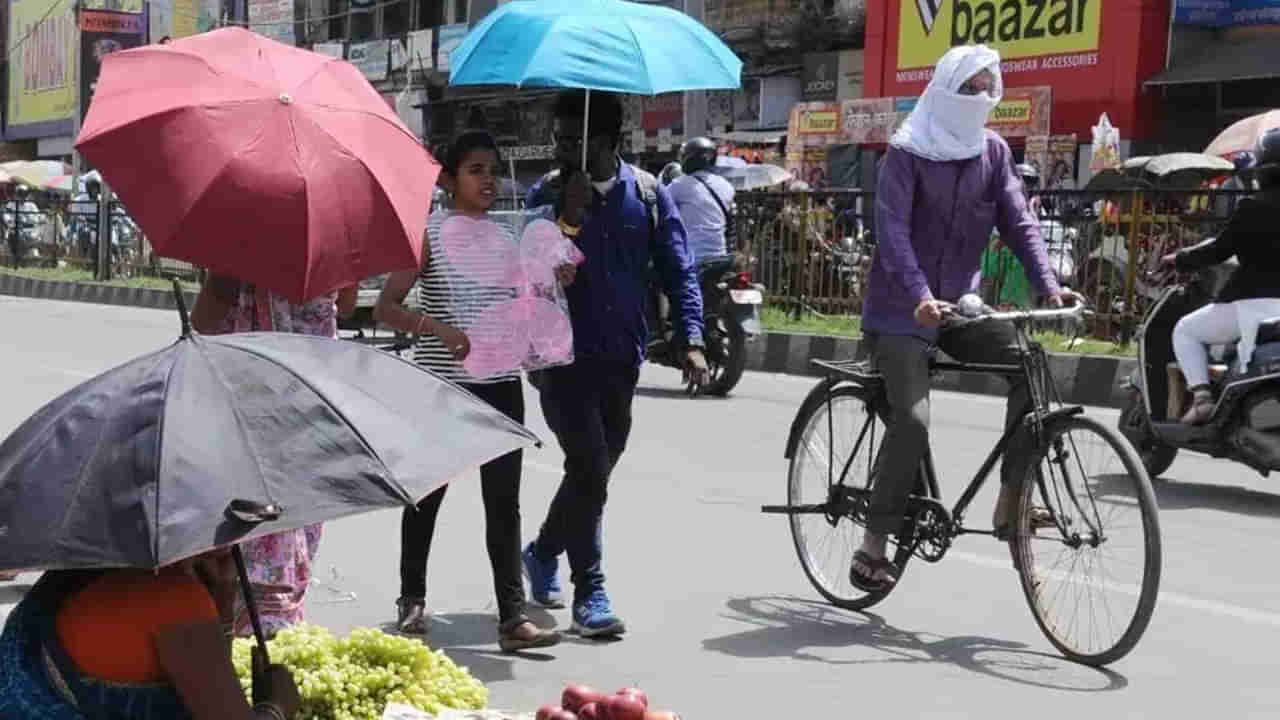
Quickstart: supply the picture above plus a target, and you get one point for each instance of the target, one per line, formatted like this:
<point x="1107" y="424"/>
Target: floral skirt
<point x="280" y="568"/>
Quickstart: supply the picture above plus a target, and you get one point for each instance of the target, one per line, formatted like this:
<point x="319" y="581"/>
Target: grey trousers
<point x="903" y="361"/>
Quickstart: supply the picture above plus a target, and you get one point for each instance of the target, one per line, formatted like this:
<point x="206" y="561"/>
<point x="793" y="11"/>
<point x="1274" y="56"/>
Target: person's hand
<point x="1066" y="297"/>
<point x="566" y="273"/>
<point x="575" y="196"/>
<point x="929" y="313"/>
<point x="281" y="690"/>
<point x="455" y="341"/>
<point x="696" y="372"/>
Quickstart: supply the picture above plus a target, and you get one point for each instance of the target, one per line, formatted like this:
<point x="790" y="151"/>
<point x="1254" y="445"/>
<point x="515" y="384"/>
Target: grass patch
<point x="779" y="320"/>
<point x="71" y="274"/>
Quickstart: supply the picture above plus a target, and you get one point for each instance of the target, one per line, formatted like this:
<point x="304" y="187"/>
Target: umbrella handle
<point x="249" y="602"/>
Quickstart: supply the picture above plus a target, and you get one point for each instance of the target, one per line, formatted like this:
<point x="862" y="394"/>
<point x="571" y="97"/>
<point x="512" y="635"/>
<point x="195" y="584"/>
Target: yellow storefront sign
<point x="42" y="72"/>
<point x="186" y="14"/>
<point x="819" y="122"/>
<point x="1011" y="111"/>
<point x="1017" y="28"/>
<point x="124" y="6"/>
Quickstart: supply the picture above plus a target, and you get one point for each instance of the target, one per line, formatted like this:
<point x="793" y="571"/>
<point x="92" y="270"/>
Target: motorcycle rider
<point x="945" y="182"/>
<point x="705" y="200"/>
<point x="1250" y="295"/>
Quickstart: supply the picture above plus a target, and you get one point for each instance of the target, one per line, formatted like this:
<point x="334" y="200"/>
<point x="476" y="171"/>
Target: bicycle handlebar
<point x="952" y="313"/>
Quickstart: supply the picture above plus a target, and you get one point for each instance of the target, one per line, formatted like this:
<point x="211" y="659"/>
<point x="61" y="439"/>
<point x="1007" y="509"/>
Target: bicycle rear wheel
<point x="1092" y="579"/>
<point x="839" y="438"/>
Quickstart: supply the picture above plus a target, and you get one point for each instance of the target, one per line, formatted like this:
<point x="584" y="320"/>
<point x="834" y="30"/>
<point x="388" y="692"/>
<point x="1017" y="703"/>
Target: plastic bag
<point x="1106" y="146"/>
<point x="507" y="298"/>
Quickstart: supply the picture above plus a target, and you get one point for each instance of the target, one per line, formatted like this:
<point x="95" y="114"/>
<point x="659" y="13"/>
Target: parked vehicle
<point x="1245" y="426"/>
<point x="731" y="313"/>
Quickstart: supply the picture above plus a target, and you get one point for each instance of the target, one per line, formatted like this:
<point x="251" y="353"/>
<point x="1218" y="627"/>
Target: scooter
<point x="1245" y="425"/>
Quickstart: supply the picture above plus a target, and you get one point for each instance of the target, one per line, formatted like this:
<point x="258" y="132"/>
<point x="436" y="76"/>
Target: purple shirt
<point x="933" y="221"/>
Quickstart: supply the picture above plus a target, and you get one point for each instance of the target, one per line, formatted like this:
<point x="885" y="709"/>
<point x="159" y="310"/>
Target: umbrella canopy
<point x="215" y="440"/>
<point x="752" y="177"/>
<point x="279" y="166"/>
<point x="1243" y="135"/>
<point x="609" y="45"/>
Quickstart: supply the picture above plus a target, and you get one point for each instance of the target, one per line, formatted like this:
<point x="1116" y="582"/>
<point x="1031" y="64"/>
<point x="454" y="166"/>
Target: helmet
<point x="670" y="173"/>
<point x="1267" y="154"/>
<point x="1030" y="176"/>
<point x="700" y="153"/>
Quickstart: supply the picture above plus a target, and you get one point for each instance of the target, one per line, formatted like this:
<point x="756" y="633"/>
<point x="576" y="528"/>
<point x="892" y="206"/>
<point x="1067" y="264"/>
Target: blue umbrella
<point x="607" y="45"/>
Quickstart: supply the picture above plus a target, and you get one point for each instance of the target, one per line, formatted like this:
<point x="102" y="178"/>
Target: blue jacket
<point x="609" y="296"/>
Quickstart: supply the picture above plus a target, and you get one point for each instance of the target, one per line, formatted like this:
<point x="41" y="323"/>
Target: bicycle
<point x="829" y="488"/>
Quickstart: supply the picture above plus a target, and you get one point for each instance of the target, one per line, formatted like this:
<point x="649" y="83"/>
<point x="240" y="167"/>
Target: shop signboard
<point x="821" y="79"/>
<point x="1022" y="112"/>
<point x="819" y="121"/>
<point x="120" y="6"/>
<point x="42" y="76"/>
<point x="273" y="19"/>
<point x="1029" y="34"/>
<point x="662" y="111"/>
<point x="330" y="49"/>
<point x="1225" y="13"/>
<point x="849" y="84"/>
<point x="870" y="121"/>
<point x="102" y="33"/>
<point x="370" y="58"/>
<point x="806" y="120"/>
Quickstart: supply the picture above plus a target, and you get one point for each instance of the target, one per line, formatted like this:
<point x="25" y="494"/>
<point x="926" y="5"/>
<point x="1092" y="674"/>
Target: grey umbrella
<point x="219" y="439"/>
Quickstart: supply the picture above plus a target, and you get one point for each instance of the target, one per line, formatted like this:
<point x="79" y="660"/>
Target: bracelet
<point x="270" y="709"/>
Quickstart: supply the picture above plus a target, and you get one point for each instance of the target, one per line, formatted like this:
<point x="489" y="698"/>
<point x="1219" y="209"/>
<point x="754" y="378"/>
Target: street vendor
<point x="132" y="645"/>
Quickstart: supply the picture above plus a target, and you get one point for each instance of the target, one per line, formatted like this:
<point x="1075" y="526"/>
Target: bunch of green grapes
<point x="354" y="678"/>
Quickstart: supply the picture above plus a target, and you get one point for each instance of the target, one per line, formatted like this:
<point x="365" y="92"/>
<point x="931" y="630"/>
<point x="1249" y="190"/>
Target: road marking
<point x="1189" y="602"/>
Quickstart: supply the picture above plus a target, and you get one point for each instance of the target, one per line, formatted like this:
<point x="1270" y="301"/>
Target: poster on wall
<point x="42" y="76"/>
<point x="662" y="111"/>
<point x="1022" y="112"/>
<point x="1054" y="158"/>
<point x="813" y="167"/>
<point x="746" y="105"/>
<point x="370" y="58"/>
<point x="103" y="33"/>
<point x="273" y="19"/>
<point x="1030" y="35"/>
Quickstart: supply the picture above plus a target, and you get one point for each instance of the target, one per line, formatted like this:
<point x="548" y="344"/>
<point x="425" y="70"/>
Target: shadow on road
<point x="471" y="641"/>
<point x="799" y="629"/>
<point x="1172" y="494"/>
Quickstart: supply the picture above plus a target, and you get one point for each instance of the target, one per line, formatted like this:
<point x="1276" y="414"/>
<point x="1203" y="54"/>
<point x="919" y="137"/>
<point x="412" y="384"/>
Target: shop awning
<point x="751" y="137"/>
<point x="1255" y="59"/>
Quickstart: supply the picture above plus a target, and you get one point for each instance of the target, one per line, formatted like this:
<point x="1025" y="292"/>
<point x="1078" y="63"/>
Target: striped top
<point x="447" y="295"/>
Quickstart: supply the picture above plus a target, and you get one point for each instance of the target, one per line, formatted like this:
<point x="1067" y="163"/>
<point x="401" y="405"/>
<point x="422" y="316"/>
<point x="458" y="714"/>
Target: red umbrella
<point x="273" y="164"/>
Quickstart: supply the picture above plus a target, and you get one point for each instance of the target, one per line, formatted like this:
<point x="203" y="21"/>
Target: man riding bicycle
<point x="945" y="183"/>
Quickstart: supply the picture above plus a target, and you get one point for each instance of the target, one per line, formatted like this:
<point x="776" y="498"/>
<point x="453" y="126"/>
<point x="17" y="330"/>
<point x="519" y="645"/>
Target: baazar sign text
<point x="1016" y="28"/>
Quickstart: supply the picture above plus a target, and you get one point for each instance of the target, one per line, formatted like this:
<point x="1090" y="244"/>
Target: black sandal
<point x="868" y="583"/>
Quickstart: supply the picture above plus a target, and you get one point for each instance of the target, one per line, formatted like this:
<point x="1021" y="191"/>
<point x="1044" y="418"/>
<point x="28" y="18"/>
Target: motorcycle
<point x="731" y="317"/>
<point x="1245" y="426"/>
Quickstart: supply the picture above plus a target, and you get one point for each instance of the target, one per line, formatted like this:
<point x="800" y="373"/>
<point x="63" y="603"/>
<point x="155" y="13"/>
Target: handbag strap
<point x="715" y="196"/>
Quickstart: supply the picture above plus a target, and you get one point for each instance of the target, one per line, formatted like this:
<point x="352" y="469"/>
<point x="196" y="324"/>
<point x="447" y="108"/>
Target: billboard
<point x="42" y="72"/>
<point x="1064" y="32"/>
<point x="272" y="18"/>
<point x="102" y="33"/>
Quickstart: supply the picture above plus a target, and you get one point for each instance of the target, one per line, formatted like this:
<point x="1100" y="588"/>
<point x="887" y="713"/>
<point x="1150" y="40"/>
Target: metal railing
<point x="813" y="250"/>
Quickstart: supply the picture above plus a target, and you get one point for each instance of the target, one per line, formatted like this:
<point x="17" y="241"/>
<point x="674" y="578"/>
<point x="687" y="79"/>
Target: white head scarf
<point x="946" y="125"/>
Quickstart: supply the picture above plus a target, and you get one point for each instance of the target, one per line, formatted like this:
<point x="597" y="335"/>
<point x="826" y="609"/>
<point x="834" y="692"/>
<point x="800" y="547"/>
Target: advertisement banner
<point x="273" y="19"/>
<point x="808" y="117"/>
<point x="1022" y="112"/>
<point x="42" y="79"/>
<point x="370" y="58"/>
<point x="1054" y="158"/>
<point x="821" y="78"/>
<point x="102" y="33"/>
<point x="1062" y="33"/>
<point x="870" y="121"/>
<point x="825" y="121"/>
<point x="1225" y="13"/>
<point x="849" y="85"/>
<point x="662" y="111"/>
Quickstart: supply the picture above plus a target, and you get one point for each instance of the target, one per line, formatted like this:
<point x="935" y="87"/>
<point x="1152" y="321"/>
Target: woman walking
<point x="451" y="303"/>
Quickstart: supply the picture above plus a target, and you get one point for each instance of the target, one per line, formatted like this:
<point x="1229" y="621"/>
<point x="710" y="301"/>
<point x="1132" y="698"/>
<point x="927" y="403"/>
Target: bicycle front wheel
<point x="1092" y="578"/>
<point x="836" y="450"/>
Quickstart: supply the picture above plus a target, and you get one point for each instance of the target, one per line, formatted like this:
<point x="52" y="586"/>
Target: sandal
<point x="1041" y="518"/>
<point x="867" y="582"/>
<point x="511" y="640"/>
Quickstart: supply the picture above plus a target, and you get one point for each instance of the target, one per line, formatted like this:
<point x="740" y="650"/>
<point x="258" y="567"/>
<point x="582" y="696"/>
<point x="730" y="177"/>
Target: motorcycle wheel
<point x="1156" y="456"/>
<point x="726" y="373"/>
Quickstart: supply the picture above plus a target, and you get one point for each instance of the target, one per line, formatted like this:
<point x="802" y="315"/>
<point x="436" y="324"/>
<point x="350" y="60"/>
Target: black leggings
<point x="500" y="488"/>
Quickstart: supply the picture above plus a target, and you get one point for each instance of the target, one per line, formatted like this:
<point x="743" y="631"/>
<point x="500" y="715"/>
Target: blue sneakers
<point x="544" y="586"/>
<point x="593" y="617"/>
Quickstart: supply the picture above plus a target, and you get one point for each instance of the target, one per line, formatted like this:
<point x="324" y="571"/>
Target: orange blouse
<point x="108" y="628"/>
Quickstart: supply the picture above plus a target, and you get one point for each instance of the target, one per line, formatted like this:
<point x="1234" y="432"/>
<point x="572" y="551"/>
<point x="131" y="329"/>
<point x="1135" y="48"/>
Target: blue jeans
<point x="588" y="406"/>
